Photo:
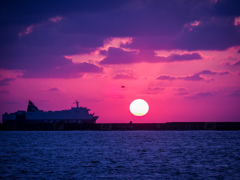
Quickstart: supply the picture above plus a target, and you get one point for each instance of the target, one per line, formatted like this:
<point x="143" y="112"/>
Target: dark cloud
<point x="29" y="38"/>
<point x="4" y="92"/>
<point x="119" y="56"/>
<point x="124" y="76"/>
<point x="165" y="77"/>
<point x="180" y="91"/>
<point x="194" y="77"/>
<point x="200" y="95"/>
<point x="235" y="94"/>
<point x="200" y="38"/>
<point x="184" y="57"/>
<point x="154" y="90"/>
<point x="110" y="18"/>
<point x="71" y="70"/>
<point x="207" y="72"/>
<point x="6" y="81"/>
<point x="197" y="77"/>
<point x="238" y="51"/>
<point x="237" y="63"/>
<point x="224" y="73"/>
<point x="54" y="89"/>
<point x="25" y="12"/>
<point x="103" y="52"/>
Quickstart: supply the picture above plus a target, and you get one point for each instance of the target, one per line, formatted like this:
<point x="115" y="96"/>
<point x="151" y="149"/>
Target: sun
<point x="139" y="107"/>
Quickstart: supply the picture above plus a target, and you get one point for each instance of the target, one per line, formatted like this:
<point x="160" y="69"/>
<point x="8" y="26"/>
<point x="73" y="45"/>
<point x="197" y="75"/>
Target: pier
<point x="169" y="126"/>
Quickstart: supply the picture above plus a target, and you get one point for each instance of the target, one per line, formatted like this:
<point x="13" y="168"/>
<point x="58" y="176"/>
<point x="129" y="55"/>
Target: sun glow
<point x="139" y="107"/>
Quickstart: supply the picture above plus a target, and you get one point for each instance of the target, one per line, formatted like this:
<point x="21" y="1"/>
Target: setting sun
<point x="139" y="107"/>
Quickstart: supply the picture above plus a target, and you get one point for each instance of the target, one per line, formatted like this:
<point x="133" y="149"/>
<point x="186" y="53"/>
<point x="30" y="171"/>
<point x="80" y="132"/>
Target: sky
<point x="181" y="56"/>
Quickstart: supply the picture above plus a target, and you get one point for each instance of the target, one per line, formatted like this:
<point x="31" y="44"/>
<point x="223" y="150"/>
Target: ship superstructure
<point x="34" y="115"/>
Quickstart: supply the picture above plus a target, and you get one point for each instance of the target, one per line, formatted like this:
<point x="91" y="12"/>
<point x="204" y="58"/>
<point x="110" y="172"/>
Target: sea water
<point x="120" y="154"/>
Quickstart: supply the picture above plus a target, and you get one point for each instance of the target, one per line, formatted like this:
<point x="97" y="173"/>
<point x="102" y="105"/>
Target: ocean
<point x="120" y="155"/>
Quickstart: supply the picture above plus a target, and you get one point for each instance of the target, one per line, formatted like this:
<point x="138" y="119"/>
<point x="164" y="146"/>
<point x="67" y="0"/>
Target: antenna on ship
<point x="76" y="103"/>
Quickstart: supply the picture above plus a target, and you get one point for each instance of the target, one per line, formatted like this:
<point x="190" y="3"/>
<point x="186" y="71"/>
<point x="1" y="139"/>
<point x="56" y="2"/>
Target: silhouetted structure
<point x="35" y="116"/>
<point x="172" y="126"/>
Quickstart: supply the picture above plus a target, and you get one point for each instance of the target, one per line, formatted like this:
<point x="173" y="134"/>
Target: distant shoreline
<point x="170" y="126"/>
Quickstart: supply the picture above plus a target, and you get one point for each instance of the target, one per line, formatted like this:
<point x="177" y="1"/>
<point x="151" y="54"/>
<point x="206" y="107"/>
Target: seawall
<point x="169" y="126"/>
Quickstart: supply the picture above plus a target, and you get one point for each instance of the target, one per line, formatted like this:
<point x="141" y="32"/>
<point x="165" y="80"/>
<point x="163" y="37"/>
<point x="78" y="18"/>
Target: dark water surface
<point x="120" y="154"/>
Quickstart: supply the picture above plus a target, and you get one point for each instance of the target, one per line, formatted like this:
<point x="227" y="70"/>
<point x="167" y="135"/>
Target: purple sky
<point x="181" y="56"/>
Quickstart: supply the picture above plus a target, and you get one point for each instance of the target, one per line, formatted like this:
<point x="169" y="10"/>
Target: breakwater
<point x="124" y="126"/>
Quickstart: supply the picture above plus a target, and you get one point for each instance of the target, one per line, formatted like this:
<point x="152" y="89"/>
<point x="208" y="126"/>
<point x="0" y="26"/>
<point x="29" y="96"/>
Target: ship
<point x="75" y="115"/>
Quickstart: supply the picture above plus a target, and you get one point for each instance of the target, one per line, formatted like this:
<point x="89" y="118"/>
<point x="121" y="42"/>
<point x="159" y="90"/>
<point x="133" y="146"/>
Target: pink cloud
<point x="27" y="31"/>
<point x="156" y="88"/>
<point x="56" y="19"/>
<point x="236" y="21"/>
<point x="124" y="76"/>
<point x="190" y="26"/>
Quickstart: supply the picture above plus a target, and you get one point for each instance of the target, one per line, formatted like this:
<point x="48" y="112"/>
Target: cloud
<point x="51" y="30"/>
<point x="235" y="94"/>
<point x="68" y="70"/>
<point x="180" y="91"/>
<point x="156" y="88"/>
<point x="54" y="89"/>
<point x="200" y="95"/>
<point x="120" y="56"/>
<point x="153" y="24"/>
<point x="27" y="31"/>
<point x="166" y="77"/>
<point x="55" y="19"/>
<point x="224" y="73"/>
<point x="197" y="76"/>
<point x="4" y="92"/>
<point x="124" y="76"/>
<point x="194" y="77"/>
<point x="184" y="57"/>
<point x="6" y="81"/>
<point x="237" y="63"/>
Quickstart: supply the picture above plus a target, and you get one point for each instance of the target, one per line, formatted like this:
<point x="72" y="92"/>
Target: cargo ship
<point x="75" y="115"/>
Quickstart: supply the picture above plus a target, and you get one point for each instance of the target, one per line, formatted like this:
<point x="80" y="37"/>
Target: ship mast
<point x="76" y="103"/>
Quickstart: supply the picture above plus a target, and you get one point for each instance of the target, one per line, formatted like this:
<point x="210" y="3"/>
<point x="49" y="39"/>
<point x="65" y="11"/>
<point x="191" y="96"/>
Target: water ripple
<point x="120" y="155"/>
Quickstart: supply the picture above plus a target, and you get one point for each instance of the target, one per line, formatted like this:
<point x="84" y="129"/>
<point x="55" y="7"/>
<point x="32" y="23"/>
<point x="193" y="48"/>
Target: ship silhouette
<point x="76" y="114"/>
